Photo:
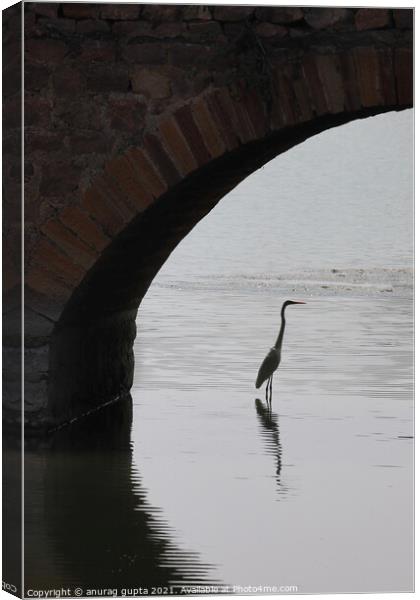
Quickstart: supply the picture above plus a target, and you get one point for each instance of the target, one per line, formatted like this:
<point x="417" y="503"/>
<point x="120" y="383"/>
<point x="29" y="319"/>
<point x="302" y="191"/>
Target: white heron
<point x="272" y="360"/>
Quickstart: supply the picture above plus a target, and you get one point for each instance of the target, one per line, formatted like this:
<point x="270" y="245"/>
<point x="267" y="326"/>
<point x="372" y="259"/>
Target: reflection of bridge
<point x="88" y="523"/>
<point x="138" y="120"/>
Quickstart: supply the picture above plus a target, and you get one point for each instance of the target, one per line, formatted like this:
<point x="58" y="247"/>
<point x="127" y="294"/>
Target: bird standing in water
<point x="272" y="360"/>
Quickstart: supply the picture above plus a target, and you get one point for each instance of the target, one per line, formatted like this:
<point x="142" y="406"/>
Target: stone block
<point x="87" y="26"/>
<point x="98" y="51"/>
<point x="232" y="13"/>
<point x="46" y="9"/>
<point x="45" y="51"/>
<point x="120" y="12"/>
<point x="36" y="77"/>
<point x="269" y="30"/>
<point x="403" y="18"/>
<point x="275" y="14"/>
<point x="80" y="10"/>
<point x="132" y="28"/>
<point x="68" y="80"/>
<point x="372" y="18"/>
<point x="161" y="12"/>
<point x="196" y="13"/>
<point x="126" y="113"/>
<point x="108" y="78"/>
<point x="323" y="18"/>
<point x="62" y="25"/>
<point x="88" y="142"/>
<point x="152" y="83"/>
<point x="146" y="53"/>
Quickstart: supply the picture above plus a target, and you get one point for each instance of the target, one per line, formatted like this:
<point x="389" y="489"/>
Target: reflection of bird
<point x="272" y="360"/>
<point x="271" y="433"/>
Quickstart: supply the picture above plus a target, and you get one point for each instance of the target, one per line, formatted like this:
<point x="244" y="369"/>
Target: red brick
<point x="332" y="82"/>
<point x="372" y="18"/>
<point x="367" y="69"/>
<point x="82" y="10"/>
<point x="285" y="102"/>
<point x="257" y="113"/>
<point x="120" y="12"/>
<point x="48" y="257"/>
<point x="80" y="223"/>
<point x="297" y="84"/>
<point x="110" y="188"/>
<point x="71" y="245"/>
<point x="352" y="99"/>
<point x="100" y="207"/>
<point x="222" y="111"/>
<point x="207" y="127"/>
<point x="387" y="76"/>
<point x="192" y="134"/>
<point x="45" y="51"/>
<point x="314" y="84"/>
<point x="146" y="173"/>
<point x="121" y="170"/>
<point x="178" y="148"/>
<point x="404" y="75"/>
<point x="161" y="160"/>
<point x="49" y="287"/>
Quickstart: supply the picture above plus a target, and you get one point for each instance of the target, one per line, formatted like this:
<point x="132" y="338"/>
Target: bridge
<point x="138" y="120"/>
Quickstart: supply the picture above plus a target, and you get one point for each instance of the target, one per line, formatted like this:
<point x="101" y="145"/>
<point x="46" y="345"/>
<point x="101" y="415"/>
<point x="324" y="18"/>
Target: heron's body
<point x="272" y="360"/>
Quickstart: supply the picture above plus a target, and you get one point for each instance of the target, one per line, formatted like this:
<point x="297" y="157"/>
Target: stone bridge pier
<point x="138" y="119"/>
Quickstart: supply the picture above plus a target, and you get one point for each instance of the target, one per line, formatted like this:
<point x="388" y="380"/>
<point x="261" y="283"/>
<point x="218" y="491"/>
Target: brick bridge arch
<point x="138" y="120"/>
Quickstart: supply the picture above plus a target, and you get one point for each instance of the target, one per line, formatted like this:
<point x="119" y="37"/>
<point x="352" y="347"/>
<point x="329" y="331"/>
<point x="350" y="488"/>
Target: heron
<point x="272" y="360"/>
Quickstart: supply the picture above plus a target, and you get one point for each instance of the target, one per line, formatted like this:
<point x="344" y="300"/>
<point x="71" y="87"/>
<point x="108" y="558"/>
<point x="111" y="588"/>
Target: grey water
<point x="201" y="484"/>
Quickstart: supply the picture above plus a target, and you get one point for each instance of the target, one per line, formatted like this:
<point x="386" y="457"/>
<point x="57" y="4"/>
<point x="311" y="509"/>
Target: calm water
<point x="203" y="485"/>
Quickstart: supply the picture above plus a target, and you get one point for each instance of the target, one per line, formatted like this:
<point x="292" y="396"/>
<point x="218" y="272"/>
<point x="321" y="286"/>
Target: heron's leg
<point x="266" y="391"/>
<point x="271" y="389"/>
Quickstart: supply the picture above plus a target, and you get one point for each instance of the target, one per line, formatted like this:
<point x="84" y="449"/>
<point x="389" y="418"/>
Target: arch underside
<point x="92" y="359"/>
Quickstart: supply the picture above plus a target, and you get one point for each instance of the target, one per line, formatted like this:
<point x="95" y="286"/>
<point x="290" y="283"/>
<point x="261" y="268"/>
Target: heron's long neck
<point x="279" y="340"/>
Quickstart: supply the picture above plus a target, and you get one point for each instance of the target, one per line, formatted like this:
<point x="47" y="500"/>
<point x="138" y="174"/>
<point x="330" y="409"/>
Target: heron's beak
<point x="298" y="302"/>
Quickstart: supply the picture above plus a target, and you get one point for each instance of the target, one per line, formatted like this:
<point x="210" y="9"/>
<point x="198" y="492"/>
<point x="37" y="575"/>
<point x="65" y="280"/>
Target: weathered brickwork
<point x="129" y="108"/>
